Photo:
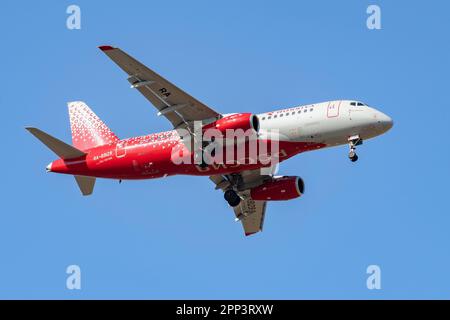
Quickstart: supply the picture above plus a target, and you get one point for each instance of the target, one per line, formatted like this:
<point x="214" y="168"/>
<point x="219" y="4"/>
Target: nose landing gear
<point x="353" y="156"/>
<point x="354" y="141"/>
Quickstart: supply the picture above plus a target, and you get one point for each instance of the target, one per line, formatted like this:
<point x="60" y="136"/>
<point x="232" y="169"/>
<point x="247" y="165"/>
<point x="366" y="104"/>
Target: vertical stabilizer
<point x="88" y="131"/>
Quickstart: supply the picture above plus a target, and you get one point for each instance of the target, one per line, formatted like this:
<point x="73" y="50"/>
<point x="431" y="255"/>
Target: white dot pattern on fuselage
<point x="88" y="131"/>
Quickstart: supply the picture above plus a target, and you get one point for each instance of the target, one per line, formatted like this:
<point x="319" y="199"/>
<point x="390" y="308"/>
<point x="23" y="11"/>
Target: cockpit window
<point x="359" y="104"/>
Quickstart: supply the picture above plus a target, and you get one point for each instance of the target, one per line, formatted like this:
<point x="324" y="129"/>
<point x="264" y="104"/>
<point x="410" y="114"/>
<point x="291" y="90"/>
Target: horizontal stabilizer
<point x="62" y="149"/>
<point x="86" y="184"/>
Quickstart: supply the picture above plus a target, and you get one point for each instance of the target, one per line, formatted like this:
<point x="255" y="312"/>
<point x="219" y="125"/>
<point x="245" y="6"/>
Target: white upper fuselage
<point x="331" y="123"/>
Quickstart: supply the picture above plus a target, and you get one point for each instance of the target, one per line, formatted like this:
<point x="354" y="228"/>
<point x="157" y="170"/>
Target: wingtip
<point x="106" y="48"/>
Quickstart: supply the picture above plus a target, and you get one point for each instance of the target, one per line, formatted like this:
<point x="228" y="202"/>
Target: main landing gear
<point x="232" y="198"/>
<point x="353" y="142"/>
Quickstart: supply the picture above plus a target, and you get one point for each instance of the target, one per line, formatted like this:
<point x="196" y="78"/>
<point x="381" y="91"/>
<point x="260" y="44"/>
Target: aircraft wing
<point x="172" y="102"/>
<point x="250" y="212"/>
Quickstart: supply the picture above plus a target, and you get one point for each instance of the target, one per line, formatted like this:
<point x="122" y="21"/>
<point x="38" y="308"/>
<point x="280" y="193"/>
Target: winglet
<point x="106" y="48"/>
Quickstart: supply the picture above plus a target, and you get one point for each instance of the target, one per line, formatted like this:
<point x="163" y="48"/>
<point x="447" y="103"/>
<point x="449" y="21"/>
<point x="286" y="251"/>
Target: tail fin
<point x="88" y="131"/>
<point x="62" y="149"/>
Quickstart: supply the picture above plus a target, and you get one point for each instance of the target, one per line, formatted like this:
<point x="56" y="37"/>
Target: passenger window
<point x="275" y="116"/>
<point x="281" y="115"/>
<point x="305" y="110"/>
<point x="311" y="110"/>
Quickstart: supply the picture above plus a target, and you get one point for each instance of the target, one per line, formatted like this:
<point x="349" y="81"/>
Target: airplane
<point x="96" y="152"/>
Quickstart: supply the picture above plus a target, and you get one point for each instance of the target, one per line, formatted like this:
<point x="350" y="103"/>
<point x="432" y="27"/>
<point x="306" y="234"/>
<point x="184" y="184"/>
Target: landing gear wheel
<point x="353" y="157"/>
<point x="353" y="142"/>
<point x="232" y="198"/>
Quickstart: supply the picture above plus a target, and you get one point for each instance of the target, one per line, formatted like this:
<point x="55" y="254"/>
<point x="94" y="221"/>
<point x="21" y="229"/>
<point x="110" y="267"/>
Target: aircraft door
<point x="333" y="109"/>
<point x="121" y="150"/>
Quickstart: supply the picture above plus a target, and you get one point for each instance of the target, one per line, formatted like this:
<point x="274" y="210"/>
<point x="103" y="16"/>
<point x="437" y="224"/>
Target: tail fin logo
<point x="88" y="131"/>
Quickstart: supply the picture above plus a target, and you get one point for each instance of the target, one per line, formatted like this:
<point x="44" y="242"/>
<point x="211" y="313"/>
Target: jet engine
<point x="235" y="121"/>
<point x="279" y="189"/>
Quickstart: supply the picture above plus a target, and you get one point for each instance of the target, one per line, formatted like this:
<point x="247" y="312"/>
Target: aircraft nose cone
<point x="385" y="121"/>
<point x="49" y="167"/>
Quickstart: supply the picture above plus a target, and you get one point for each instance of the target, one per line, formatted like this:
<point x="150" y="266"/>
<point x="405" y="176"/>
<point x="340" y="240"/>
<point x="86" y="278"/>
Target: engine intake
<point x="279" y="189"/>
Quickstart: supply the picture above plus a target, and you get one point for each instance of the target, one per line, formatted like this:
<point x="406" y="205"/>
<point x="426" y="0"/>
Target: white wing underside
<point x="250" y="212"/>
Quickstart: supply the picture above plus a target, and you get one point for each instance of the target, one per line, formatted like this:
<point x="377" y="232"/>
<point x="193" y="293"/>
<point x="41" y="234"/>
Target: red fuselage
<point x="151" y="156"/>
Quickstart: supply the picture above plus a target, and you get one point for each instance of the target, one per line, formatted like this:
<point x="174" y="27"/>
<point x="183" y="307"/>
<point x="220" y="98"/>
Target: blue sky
<point x="176" y="238"/>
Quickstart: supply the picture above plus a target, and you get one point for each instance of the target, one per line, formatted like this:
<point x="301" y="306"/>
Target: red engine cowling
<point x="236" y="121"/>
<point x="279" y="189"/>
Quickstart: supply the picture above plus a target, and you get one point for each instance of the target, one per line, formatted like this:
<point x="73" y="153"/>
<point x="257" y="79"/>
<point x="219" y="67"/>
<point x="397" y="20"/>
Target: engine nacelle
<point x="279" y="189"/>
<point x="235" y="121"/>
